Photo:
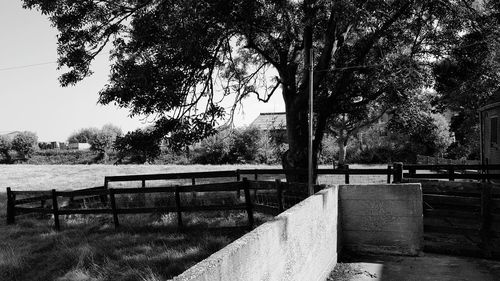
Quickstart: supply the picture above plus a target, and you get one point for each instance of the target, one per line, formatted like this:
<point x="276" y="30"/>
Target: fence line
<point x="429" y="160"/>
<point x="279" y="189"/>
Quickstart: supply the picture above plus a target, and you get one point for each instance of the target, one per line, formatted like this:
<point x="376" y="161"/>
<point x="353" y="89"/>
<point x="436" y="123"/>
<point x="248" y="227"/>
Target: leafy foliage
<point x="467" y="80"/>
<point x="25" y="144"/>
<point x="141" y="145"/>
<point x="5" y="147"/>
<point x="83" y="135"/>
<point x="243" y="145"/>
<point x="418" y="130"/>
<point x="176" y="60"/>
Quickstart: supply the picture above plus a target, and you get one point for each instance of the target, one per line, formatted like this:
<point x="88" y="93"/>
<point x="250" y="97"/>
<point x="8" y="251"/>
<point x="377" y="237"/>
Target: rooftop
<point x="270" y="121"/>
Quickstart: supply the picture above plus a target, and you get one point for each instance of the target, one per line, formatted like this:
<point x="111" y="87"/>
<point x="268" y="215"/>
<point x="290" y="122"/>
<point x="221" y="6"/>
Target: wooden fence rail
<point x="281" y="190"/>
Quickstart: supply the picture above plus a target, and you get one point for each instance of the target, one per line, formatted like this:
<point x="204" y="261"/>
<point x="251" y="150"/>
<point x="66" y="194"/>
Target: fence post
<point x="11" y="206"/>
<point x="345" y="167"/>
<point x="248" y="201"/>
<point x="398" y="172"/>
<point x="55" y="210"/>
<point x="143" y="183"/>
<point x="412" y="171"/>
<point x="485" y="230"/>
<point x="256" y="175"/>
<point x="279" y="191"/>
<point x="104" y="198"/>
<point x="451" y="173"/>
<point x="238" y="175"/>
<point x="113" y="207"/>
<point x="389" y="172"/>
<point x="238" y="178"/>
<point x="178" y="206"/>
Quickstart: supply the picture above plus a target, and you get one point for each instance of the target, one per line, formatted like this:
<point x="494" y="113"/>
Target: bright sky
<point x="31" y="98"/>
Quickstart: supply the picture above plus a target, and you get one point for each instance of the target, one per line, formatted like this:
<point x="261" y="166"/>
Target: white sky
<point x="32" y="99"/>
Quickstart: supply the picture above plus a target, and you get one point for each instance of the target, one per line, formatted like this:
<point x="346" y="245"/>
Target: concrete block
<point x="385" y="218"/>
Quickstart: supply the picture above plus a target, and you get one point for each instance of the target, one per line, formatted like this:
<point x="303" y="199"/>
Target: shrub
<point x="214" y="149"/>
<point x="103" y="140"/>
<point x="140" y="146"/>
<point x="25" y="143"/>
<point x="244" y="145"/>
<point x="58" y="157"/>
<point x="5" y="147"/>
<point x="83" y="135"/>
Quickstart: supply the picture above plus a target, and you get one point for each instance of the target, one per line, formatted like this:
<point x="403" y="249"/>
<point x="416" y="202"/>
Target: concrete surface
<point x="429" y="267"/>
<point x="299" y="244"/>
<point x="382" y="218"/>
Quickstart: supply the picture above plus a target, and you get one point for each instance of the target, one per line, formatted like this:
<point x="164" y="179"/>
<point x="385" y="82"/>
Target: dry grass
<point x="145" y="248"/>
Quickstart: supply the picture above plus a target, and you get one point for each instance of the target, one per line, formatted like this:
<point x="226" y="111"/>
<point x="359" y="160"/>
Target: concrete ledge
<point x="299" y="244"/>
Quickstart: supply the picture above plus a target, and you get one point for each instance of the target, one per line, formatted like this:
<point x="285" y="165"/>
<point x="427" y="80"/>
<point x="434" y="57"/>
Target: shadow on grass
<point x="89" y="248"/>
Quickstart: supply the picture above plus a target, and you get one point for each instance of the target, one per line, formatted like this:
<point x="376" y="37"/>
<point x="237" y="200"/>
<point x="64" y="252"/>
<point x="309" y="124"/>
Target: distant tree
<point x="5" y="147"/>
<point x="244" y="145"/>
<point x="112" y="130"/>
<point x="466" y="80"/>
<point x="141" y="145"/>
<point x="347" y="125"/>
<point x="416" y="129"/>
<point x="25" y="144"/>
<point x="83" y="135"/>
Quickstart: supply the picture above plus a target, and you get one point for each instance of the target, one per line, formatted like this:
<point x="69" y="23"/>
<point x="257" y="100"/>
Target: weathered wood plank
<point x="31" y="199"/>
<point x="26" y="210"/>
<point x="439" y="213"/>
<point x="434" y="199"/>
<point x="85" y="211"/>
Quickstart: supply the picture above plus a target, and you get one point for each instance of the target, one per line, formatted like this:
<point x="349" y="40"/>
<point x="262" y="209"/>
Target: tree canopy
<point x="177" y="60"/>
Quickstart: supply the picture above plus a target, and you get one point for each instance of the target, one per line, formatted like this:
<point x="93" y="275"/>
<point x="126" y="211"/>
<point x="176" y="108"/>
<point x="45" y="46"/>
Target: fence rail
<point x="421" y="159"/>
<point x="279" y="190"/>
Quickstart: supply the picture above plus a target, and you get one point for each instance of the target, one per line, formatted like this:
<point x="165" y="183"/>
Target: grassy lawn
<point x="145" y="247"/>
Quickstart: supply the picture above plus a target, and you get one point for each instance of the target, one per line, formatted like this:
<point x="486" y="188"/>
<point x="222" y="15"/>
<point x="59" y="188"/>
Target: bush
<point x="5" y="147"/>
<point x="214" y="149"/>
<point x="140" y="146"/>
<point x="245" y="145"/>
<point x="83" y="135"/>
<point x="25" y="144"/>
<point x="59" y="157"/>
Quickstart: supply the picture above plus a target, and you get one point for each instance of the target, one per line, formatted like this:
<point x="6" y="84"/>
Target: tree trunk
<point x="342" y="143"/>
<point x="296" y="155"/>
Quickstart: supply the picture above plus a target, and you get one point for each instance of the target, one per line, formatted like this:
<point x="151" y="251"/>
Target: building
<point x="490" y="138"/>
<point x="273" y="123"/>
<point x="78" y="146"/>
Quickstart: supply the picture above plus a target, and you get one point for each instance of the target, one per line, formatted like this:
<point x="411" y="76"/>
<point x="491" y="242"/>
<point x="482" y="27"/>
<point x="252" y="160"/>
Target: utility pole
<point x="309" y="66"/>
<point x="311" y="125"/>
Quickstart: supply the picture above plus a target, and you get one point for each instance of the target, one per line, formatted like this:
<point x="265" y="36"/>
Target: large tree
<point x="469" y="78"/>
<point x="177" y="59"/>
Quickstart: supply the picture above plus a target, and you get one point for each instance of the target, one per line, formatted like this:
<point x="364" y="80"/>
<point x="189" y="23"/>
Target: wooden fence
<point x="256" y="174"/>
<point x="280" y="191"/>
<point x="469" y="209"/>
<point x="430" y="160"/>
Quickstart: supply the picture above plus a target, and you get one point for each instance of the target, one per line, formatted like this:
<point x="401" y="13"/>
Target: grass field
<point x="146" y="247"/>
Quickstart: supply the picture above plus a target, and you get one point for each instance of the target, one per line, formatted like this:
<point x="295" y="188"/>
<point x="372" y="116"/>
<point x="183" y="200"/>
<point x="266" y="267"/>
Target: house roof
<point x="270" y="121"/>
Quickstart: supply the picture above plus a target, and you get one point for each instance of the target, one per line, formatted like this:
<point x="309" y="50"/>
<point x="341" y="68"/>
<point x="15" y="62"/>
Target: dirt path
<point x="430" y="267"/>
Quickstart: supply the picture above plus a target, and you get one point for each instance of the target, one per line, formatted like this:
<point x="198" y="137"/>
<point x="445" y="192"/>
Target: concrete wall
<point x="300" y="244"/>
<point x="382" y="218"/>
